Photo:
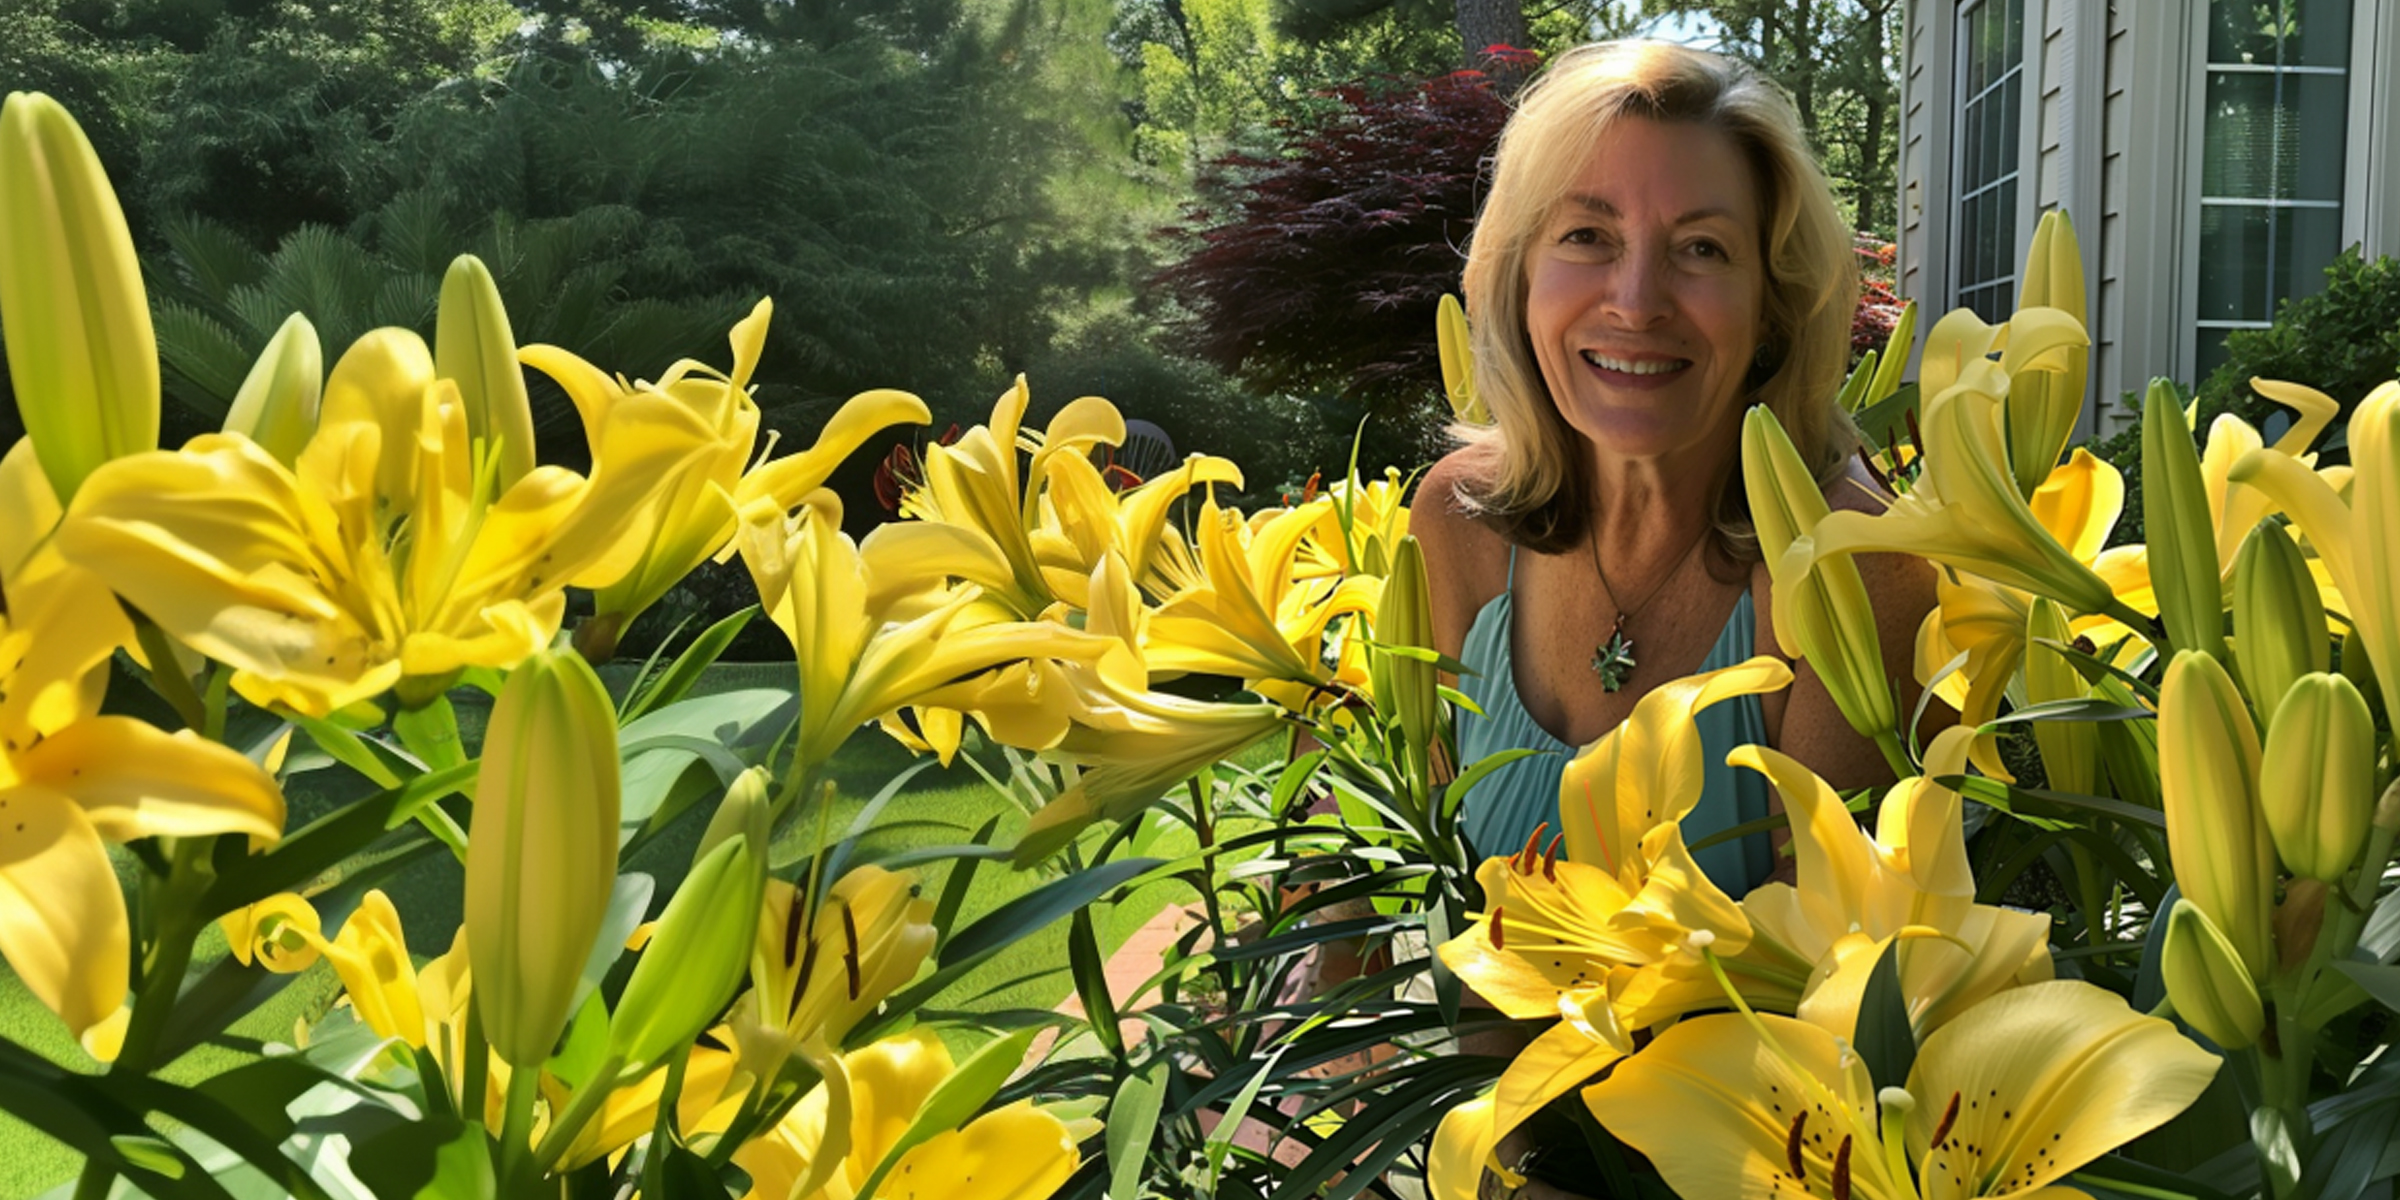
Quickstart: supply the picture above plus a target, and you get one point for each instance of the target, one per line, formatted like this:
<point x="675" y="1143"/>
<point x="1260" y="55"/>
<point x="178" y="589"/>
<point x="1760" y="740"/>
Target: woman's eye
<point x="1579" y="237"/>
<point x="1708" y="249"/>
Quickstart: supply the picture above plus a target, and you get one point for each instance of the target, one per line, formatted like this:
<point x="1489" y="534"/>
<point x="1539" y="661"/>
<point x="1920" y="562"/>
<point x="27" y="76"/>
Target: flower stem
<point x="518" y="1168"/>
<point x="580" y="1110"/>
<point x="176" y="923"/>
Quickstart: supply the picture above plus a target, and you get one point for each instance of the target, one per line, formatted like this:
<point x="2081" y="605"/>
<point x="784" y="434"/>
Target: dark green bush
<point x="2342" y="341"/>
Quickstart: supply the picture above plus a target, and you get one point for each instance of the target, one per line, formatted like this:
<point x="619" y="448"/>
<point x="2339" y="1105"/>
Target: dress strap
<point x="1512" y="566"/>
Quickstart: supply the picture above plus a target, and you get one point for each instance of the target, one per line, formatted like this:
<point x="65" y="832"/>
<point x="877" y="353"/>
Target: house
<point x="2214" y="154"/>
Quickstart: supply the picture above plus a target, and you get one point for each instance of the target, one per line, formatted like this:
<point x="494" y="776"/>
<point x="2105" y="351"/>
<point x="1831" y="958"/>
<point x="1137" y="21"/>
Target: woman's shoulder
<point x="1466" y="560"/>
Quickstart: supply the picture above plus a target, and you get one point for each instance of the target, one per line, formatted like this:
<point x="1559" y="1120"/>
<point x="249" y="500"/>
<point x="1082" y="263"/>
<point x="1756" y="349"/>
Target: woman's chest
<point x="1565" y="643"/>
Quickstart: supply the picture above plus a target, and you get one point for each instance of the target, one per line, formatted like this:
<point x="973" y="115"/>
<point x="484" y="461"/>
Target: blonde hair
<point x="1533" y="485"/>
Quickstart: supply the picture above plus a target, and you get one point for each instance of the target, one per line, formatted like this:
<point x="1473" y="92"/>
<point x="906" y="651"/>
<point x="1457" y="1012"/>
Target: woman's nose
<point x="1637" y="295"/>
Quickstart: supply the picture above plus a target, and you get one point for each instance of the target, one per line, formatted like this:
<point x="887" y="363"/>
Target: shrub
<point x="2342" y="341"/>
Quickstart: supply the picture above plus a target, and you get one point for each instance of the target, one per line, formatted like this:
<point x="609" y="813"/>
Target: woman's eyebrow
<point x="1599" y="207"/>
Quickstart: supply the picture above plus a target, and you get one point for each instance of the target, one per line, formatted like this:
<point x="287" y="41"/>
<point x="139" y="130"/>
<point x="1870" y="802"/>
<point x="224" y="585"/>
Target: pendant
<point x="1613" y="662"/>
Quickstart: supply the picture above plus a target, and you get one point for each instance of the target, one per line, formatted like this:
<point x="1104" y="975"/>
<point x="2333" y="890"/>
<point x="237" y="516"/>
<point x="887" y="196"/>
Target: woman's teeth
<point x="1654" y="366"/>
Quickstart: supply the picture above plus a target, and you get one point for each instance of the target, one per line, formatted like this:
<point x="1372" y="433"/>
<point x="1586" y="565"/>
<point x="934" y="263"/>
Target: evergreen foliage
<point x="2343" y="341"/>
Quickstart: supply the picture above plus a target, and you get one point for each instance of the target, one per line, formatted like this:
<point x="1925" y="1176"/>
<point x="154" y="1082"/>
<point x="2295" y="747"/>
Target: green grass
<point x="936" y="807"/>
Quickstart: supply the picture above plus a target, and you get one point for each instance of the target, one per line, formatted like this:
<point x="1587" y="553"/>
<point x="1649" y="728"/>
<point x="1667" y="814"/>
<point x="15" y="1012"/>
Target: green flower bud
<point x="81" y="355"/>
<point x="1824" y="615"/>
<point x="474" y="348"/>
<point x="697" y="955"/>
<point x="1404" y="617"/>
<point x="542" y="853"/>
<point x="2070" y="749"/>
<point x="2183" y="539"/>
<point x="2278" y="617"/>
<point x="2317" y="779"/>
<point x="2208" y="772"/>
<point x="277" y="406"/>
<point x="2205" y="978"/>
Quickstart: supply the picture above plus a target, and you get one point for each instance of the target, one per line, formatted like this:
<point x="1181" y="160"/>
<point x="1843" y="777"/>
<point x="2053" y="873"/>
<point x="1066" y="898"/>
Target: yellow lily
<point x="1016" y="1152"/>
<point x="1134" y="746"/>
<point x="974" y="483"/>
<point x="857" y="665"/>
<point x="2077" y="506"/>
<point x="279" y="933"/>
<point x="2006" y="1100"/>
<point x="371" y="957"/>
<point x="1910" y="882"/>
<point x="2320" y="759"/>
<point x="81" y="354"/>
<point x="1083" y="521"/>
<point x="1644" y="775"/>
<point x="1251" y="618"/>
<point x="1964" y="509"/>
<point x="695" y="516"/>
<point x="2358" y="542"/>
<point x="2213" y="992"/>
<point x="711" y="1097"/>
<point x="1377" y="520"/>
<point x="72" y="780"/>
<point x="2278" y="617"/>
<point x="386" y="554"/>
<point x="816" y="975"/>
<point x="2234" y="506"/>
<point x="2043" y="405"/>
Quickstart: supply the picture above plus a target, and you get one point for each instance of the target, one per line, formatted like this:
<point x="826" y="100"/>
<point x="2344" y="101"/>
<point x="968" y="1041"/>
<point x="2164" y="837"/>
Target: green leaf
<point x="304" y="855"/>
<point x="349" y="749"/>
<point x="1878" y="420"/>
<point x="1220" y="1140"/>
<point x="2349" y="1156"/>
<point x="1884" y="1039"/>
<point x="628" y="903"/>
<point x="2087" y="709"/>
<point x="1090" y="970"/>
<point x="430" y="732"/>
<point x="968" y="948"/>
<point x="688" y="667"/>
<point x="2379" y="980"/>
<point x="437" y="1158"/>
<point x="2027" y="803"/>
<point x="2272" y="1134"/>
<point x="149" y="1153"/>
<point x="1476" y="773"/>
<point x="956" y="1101"/>
<point x="1132" y="1123"/>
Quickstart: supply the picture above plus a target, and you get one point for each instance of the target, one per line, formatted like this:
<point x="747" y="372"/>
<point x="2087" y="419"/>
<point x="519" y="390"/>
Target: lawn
<point x="937" y="806"/>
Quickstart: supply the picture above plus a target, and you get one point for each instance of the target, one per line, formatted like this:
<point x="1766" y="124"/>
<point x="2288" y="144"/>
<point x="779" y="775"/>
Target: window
<point x="1991" y="73"/>
<point x="2273" y="123"/>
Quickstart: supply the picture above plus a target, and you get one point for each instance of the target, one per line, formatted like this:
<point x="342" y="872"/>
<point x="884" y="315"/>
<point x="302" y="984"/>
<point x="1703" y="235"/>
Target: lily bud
<point x="1404" y="617"/>
<point x="702" y="943"/>
<point x="2043" y="404"/>
<point x="1894" y="358"/>
<point x="2318" y="776"/>
<point x="81" y="354"/>
<point x="1824" y="614"/>
<point x="2360" y="671"/>
<point x="2375" y="521"/>
<point x="277" y="406"/>
<point x="2212" y="991"/>
<point x="1458" y="362"/>
<point x="542" y="853"/>
<point x="474" y="348"/>
<point x="2070" y="749"/>
<point x="2184" y="571"/>
<point x="2278" y="617"/>
<point x="2208" y="772"/>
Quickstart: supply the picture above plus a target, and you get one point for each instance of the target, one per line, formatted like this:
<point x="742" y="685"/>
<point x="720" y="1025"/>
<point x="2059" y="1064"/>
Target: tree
<point x="1319" y="269"/>
<point x="1839" y="59"/>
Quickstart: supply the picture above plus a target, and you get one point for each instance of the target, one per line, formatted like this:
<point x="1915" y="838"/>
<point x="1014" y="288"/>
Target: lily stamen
<point x="1496" y="933"/>
<point x="1841" y="1170"/>
<point x="850" y="959"/>
<point x="1792" y="1143"/>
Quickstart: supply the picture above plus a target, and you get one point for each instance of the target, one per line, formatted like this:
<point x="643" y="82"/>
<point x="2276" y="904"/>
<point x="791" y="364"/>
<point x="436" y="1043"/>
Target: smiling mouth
<point x="1647" y="366"/>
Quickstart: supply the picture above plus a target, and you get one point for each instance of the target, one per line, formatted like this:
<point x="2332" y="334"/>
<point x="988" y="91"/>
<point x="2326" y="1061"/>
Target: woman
<point x="1658" y="252"/>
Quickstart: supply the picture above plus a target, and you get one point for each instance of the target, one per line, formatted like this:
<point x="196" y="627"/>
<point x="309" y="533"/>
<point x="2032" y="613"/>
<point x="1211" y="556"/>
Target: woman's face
<point x="1646" y="288"/>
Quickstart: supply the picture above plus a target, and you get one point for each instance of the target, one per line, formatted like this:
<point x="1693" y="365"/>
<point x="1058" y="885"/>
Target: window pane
<point x="2211" y="353"/>
<point x="2239" y="142"/>
<point x="1977" y="61"/>
<point x="2315" y="155"/>
<point x="1970" y="152"/>
<point x="2004" y="231"/>
<point x="2233" y="263"/>
<point x="2306" y="239"/>
<point x="2014" y="51"/>
<point x="2241" y="31"/>
<point x="2322" y="38"/>
<point x="2012" y="113"/>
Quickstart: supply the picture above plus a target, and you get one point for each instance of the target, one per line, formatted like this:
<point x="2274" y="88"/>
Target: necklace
<point x="1613" y="660"/>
